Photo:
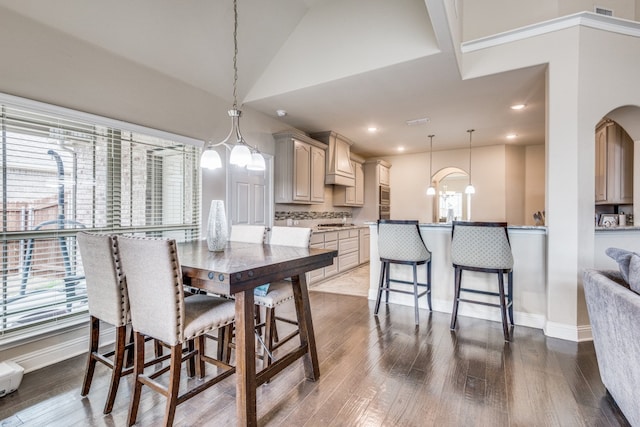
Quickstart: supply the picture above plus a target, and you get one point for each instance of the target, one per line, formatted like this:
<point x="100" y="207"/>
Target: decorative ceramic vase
<point x="217" y="227"/>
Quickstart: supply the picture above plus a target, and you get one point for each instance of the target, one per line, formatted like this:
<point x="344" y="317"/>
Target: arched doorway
<point x="451" y="203"/>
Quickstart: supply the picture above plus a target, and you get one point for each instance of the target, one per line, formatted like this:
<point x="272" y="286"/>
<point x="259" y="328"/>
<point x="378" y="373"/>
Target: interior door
<point x="250" y="195"/>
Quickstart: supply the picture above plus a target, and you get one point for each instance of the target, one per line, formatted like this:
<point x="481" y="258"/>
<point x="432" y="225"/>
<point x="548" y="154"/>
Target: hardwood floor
<point x="374" y="372"/>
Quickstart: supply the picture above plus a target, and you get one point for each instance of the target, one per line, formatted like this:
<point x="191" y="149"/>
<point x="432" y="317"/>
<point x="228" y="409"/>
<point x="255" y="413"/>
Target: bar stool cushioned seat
<point x="160" y="310"/>
<point x="483" y="247"/>
<point x="400" y="242"/>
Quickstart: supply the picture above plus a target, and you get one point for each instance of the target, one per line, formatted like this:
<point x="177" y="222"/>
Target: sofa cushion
<point x="623" y="258"/>
<point x="634" y="273"/>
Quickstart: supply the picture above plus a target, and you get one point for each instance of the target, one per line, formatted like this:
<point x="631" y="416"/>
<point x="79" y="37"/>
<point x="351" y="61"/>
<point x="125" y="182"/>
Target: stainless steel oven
<point x="385" y="212"/>
<point x="385" y="195"/>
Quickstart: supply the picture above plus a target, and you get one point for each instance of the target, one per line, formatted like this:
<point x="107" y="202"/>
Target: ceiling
<point x="341" y="65"/>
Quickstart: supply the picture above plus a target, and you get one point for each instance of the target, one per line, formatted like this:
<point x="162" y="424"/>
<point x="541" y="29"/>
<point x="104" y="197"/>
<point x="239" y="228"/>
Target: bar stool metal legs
<point x="385" y="285"/>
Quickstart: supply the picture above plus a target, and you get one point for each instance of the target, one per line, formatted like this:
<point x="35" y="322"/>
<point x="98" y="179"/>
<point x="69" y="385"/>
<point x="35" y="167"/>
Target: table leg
<point x="245" y="360"/>
<point x="305" y="324"/>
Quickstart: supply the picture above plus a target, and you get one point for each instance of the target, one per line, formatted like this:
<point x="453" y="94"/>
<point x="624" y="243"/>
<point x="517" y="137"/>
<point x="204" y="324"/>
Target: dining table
<point x="237" y="271"/>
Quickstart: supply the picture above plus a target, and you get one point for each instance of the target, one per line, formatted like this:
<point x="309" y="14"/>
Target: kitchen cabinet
<point x="299" y="169"/>
<point x="351" y="196"/>
<point x="365" y="240"/>
<point x="614" y="165"/>
<point x="352" y="246"/>
<point x="328" y="240"/>
<point x="376" y="173"/>
<point x="384" y="175"/>
<point x="348" y="249"/>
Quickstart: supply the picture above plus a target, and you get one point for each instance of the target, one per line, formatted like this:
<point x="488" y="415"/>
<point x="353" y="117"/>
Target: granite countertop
<point x="338" y="227"/>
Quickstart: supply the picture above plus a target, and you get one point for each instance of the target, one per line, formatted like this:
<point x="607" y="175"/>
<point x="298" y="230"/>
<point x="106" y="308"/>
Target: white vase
<point x="217" y="227"/>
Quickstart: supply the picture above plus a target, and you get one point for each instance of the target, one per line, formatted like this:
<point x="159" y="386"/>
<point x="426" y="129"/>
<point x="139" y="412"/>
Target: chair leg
<point x="94" y="335"/>
<point x="269" y="321"/>
<point x="383" y="268"/>
<point x="191" y="363"/>
<point x="503" y="306"/>
<point x="387" y="283"/>
<point x="138" y="369"/>
<point x="174" y="384"/>
<point x="456" y="297"/>
<point x="129" y="358"/>
<point x="200" y="368"/>
<point x="429" y="284"/>
<point x="226" y="343"/>
<point x="510" y="296"/>
<point x="415" y="293"/>
<point x="118" y="364"/>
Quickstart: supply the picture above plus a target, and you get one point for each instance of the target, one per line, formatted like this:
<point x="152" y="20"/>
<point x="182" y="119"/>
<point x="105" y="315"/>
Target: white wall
<point x="488" y="17"/>
<point x="534" y="182"/>
<point x="498" y="173"/>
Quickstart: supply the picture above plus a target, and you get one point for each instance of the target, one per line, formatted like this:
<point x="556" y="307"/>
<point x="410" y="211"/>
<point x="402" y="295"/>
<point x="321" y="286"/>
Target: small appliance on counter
<point x="10" y="377"/>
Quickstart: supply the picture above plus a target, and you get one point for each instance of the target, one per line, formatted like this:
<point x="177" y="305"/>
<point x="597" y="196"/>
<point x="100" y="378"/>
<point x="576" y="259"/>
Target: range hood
<point x="339" y="170"/>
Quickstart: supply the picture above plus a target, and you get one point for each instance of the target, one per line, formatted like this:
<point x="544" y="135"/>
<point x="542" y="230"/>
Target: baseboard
<point x="568" y="332"/>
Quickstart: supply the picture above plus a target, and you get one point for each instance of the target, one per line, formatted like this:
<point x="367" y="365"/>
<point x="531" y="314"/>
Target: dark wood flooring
<point x="374" y="372"/>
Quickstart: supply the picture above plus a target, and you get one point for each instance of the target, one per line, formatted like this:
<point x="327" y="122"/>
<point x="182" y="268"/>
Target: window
<point x="62" y="171"/>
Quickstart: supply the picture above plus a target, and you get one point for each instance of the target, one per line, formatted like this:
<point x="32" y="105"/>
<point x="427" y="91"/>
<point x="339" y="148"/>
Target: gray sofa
<point x="614" y="313"/>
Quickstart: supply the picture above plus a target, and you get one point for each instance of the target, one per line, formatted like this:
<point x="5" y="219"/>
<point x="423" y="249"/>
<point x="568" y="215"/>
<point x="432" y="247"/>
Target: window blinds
<point x="64" y="171"/>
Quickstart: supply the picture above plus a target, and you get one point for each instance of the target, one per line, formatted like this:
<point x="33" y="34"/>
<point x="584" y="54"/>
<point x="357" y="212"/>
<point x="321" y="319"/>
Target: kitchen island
<point x="528" y="245"/>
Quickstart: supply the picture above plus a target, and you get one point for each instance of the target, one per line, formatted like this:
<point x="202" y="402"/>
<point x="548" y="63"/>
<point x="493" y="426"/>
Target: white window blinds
<point x="63" y="171"/>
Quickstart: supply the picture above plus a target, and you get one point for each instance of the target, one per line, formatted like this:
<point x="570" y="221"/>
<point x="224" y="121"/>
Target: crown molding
<point x="586" y="19"/>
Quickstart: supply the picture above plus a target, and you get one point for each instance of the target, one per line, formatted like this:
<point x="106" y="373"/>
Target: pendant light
<point x="431" y="191"/>
<point x="470" y="189"/>
<point x="241" y="153"/>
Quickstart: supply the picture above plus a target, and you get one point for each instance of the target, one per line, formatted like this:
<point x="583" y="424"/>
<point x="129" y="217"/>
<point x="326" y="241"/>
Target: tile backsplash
<point x="310" y="215"/>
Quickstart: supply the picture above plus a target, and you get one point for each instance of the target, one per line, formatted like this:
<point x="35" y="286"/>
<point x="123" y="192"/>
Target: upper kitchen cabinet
<point x="614" y="164"/>
<point x="339" y="167"/>
<point x="299" y="168"/>
<point x="351" y="196"/>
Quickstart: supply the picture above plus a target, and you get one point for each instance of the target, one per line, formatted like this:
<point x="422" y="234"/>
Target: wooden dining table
<point x="237" y="271"/>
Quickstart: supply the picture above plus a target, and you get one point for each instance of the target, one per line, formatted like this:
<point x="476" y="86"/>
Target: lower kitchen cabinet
<point x="349" y="245"/>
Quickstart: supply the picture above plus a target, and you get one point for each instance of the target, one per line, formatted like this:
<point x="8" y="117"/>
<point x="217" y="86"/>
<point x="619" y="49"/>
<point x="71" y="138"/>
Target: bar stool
<point x="400" y="242"/>
<point x="108" y="302"/>
<point x="247" y="233"/>
<point x="483" y="247"/>
<point x="279" y="292"/>
<point x="160" y="310"/>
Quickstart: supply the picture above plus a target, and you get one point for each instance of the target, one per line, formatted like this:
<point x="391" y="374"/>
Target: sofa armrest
<point x="614" y="314"/>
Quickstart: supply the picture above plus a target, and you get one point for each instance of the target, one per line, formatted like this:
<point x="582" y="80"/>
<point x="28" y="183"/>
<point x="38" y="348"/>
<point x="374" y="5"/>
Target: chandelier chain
<point x="470" y="133"/>
<point x="235" y="54"/>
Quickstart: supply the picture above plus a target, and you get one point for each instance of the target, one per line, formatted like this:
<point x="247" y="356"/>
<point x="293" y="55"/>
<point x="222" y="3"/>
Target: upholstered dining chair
<point x="108" y="302"/>
<point x="483" y="247"/>
<point x="160" y="310"/>
<point x="279" y="292"/>
<point x="247" y="233"/>
<point x="400" y="242"/>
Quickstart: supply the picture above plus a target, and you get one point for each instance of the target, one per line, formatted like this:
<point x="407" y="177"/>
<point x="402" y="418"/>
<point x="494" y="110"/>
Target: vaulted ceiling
<point x="341" y="65"/>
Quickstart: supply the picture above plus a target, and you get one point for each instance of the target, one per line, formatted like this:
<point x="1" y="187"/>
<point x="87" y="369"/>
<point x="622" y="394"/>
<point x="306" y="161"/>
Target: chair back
<point x="154" y="280"/>
<point x="106" y="283"/>
<point x="290" y="236"/>
<point x="483" y="245"/>
<point x="401" y="241"/>
<point x="247" y="233"/>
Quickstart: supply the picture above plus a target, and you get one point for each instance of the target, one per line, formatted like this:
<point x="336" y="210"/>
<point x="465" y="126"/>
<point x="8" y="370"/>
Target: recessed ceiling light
<point x="281" y="113"/>
<point x="518" y="106"/>
<point x="400" y="148"/>
<point x="372" y="129"/>
<point x="512" y="136"/>
<point x="414" y="122"/>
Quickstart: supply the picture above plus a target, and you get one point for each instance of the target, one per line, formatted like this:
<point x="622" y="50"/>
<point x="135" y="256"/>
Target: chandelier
<point x="242" y="154"/>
